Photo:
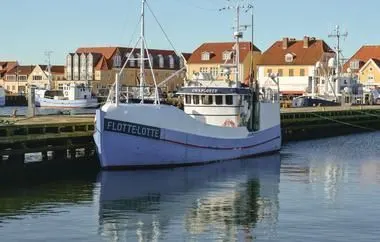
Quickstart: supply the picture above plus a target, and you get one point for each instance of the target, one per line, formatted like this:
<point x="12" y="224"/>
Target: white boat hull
<point x="127" y="140"/>
<point x="81" y="103"/>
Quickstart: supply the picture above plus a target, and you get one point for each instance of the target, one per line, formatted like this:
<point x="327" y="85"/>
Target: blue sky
<point x="29" y="28"/>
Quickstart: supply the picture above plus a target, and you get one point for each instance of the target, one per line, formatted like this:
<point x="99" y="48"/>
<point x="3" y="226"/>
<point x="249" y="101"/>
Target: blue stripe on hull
<point x="178" y="148"/>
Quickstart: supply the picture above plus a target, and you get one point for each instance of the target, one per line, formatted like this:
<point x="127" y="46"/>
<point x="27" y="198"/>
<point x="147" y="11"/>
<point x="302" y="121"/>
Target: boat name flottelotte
<point x="132" y="128"/>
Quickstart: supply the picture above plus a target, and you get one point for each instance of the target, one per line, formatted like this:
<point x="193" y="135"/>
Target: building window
<point x="195" y="99"/>
<point x="187" y="99"/>
<point x="291" y="72"/>
<point x="214" y="71"/>
<point x="22" y="78"/>
<point x="11" y="78"/>
<point x="302" y="72"/>
<point x="203" y="69"/>
<point x="37" y="78"/>
<point x="206" y="99"/>
<point x="117" y="61"/>
<point x="227" y="55"/>
<point x="354" y="65"/>
<point x="280" y="72"/>
<point x="205" y="56"/>
<point x="171" y="61"/>
<point x="160" y="61"/>
<point x="289" y="58"/>
<point x="218" y="100"/>
<point x="229" y="100"/>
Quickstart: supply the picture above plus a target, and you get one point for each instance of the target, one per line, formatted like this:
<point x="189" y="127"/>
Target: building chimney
<point x="305" y="42"/>
<point x="285" y="43"/>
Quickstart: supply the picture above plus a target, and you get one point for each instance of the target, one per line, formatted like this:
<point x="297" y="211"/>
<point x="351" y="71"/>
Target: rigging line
<point x="134" y="32"/>
<point x="166" y="36"/>
<point x="345" y="123"/>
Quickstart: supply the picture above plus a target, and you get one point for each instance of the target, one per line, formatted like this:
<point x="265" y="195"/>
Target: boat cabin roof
<point x="214" y="90"/>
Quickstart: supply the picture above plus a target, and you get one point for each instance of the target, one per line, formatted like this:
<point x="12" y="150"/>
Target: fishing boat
<point x="220" y="121"/>
<point x="2" y="96"/>
<point x="71" y="96"/>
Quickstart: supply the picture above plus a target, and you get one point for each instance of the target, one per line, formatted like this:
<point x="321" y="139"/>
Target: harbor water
<point x="22" y="110"/>
<point x="321" y="190"/>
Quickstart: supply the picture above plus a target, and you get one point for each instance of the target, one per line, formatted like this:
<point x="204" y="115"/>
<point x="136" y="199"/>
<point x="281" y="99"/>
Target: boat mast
<point x="142" y="39"/>
<point x="237" y="35"/>
<point x="337" y="34"/>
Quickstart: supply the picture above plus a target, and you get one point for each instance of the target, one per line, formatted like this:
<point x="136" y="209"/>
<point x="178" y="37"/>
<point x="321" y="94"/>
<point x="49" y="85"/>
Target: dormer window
<point x="354" y="65"/>
<point x="171" y="61"/>
<point x="205" y="56"/>
<point x="289" y="58"/>
<point x="160" y="61"/>
<point x="117" y="61"/>
<point x="131" y="60"/>
<point x="227" y="55"/>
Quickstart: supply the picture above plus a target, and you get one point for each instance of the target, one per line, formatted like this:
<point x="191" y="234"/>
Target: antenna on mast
<point x="238" y="32"/>
<point x="338" y="35"/>
<point x="48" y="54"/>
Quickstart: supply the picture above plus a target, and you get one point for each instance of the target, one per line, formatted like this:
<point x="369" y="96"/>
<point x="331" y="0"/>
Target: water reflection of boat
<point x="224" y="199"/>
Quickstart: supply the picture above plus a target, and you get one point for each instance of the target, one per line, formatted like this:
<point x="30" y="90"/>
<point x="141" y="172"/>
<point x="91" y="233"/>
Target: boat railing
<point x="133" y="92"/>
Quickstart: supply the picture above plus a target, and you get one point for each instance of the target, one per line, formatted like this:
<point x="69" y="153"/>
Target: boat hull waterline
<point x="125" y="144"/>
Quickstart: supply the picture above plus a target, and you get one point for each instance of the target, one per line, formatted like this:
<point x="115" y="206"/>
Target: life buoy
<point x="229" y="123"/>
<point x="66" y="93"/>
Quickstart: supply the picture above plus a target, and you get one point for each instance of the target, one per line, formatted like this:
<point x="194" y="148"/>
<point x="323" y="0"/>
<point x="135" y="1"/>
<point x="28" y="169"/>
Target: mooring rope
<point x="345" y="123"/>
<point x="369" y="114"/>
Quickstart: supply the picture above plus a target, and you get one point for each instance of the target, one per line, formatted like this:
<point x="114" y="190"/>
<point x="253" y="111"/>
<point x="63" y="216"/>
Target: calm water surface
<point x="22" y="110"/>
<point x="323" y="190"/>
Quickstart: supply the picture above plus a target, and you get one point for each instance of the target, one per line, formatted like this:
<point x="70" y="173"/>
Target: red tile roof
<point x="56" y="69"/>
<point x="275" y="55"/>
<point x="21" y="70"/>
<point x="365" y="53"/>
<point x="104" y="59"/>
<point x="102" y="64"/>
<point x="216" y="51"/>
<point x="7" y="65"/>
<point x="107" y="52"/>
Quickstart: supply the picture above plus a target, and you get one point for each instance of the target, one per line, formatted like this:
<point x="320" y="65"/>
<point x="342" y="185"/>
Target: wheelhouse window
<point x="206" y="99"/>
<point x="218" y="100"/>
<point x="187" y="99"/>
<point x="229" y="100"/>
<point x="195" y="99"/>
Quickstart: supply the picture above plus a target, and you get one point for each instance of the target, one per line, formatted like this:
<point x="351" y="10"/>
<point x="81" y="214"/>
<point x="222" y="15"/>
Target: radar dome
<point x="332" y="63"/>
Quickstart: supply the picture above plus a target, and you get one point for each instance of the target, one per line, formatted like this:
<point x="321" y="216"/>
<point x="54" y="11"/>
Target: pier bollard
<point x="31" y="101"/>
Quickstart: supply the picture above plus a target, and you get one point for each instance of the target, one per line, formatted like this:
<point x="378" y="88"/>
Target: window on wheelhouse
<point x="187" y="99"/>
<point x="218" y="99"/>
<point x="195" y="99"/>
<point x="229" y="100"/>
<point x="206" y="99"/>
